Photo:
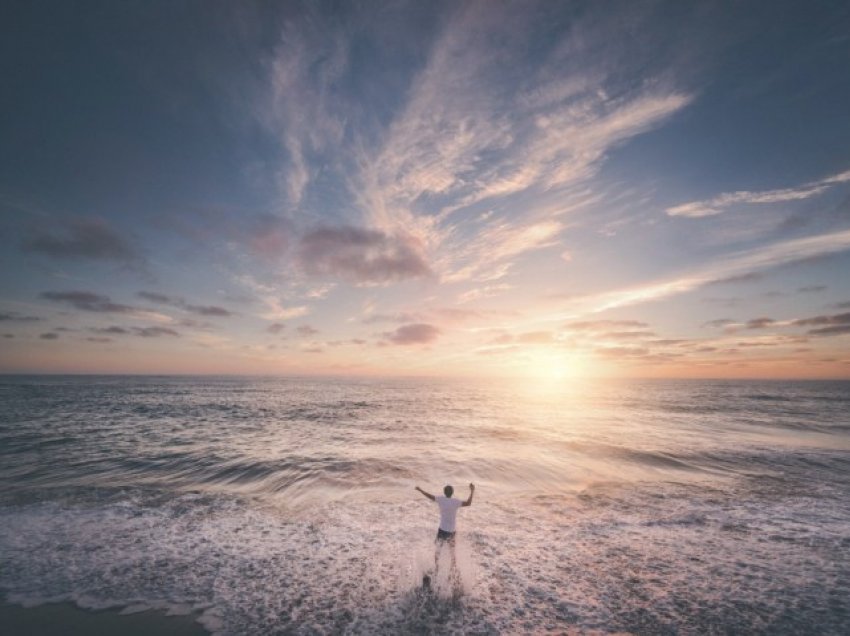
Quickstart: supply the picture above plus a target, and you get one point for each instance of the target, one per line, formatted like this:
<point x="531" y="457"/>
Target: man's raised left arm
<point x="468" y="501"/>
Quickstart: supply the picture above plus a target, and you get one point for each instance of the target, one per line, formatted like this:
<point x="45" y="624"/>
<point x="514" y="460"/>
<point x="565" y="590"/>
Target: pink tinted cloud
<point x="360" y="256"/>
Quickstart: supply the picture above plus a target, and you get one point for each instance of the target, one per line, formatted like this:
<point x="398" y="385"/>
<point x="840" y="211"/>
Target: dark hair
<point x="448" y="491"/>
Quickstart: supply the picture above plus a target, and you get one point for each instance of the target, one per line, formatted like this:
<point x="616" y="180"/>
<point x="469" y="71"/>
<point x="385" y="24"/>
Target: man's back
<point x="448" y="512"/>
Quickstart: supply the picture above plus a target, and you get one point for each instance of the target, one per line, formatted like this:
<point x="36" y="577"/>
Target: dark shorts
<point x="442" y="535"/>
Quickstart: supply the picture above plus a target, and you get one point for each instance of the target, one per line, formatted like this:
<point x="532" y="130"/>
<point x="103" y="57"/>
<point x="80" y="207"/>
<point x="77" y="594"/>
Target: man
<point x="446" y="530"/>
<point x="448" y="511"/>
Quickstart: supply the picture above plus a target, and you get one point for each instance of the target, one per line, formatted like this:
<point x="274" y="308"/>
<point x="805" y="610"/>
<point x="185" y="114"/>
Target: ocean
<point x="287" y="505"/>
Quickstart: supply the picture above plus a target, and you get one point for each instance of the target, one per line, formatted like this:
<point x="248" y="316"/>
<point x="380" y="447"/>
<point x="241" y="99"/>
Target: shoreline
<point x="68" y="619"/>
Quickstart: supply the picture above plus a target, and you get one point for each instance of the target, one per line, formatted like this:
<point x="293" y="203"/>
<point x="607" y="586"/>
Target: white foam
<point x="646" y="558"/>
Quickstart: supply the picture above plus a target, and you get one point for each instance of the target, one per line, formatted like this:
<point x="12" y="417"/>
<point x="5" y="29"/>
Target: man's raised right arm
<point x="431" y="497"/>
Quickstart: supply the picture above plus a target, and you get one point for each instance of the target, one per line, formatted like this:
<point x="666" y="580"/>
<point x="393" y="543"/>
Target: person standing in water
<point x="448" y="517"/>
<point x="448" y="511"/>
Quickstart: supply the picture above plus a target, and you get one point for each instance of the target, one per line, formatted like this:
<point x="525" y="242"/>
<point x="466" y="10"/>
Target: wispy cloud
<point x="462" y="139"/>
<point x="735" y="265"/>
<point x="718" y="204"/>
<point x="277" y="310"/>
<point x="483" y="292"/>
<point x="273" y="299"/>
<point x="305" y="110"/>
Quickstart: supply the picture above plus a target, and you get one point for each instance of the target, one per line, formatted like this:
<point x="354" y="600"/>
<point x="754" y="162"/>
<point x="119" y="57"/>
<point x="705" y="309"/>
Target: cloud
<point x="13" y="316"/>
<point x="478" y="128"/>
<point x="144" y="332"/>
<point x="486" y="254"/>
<point x="416" y="333"/>
<point x="89" y="301"/>
<point x="811" y="289"/>
<point x="111" y="330"/>
<point x="718" y="204"/>
<point x="82" y="238"/>
<point x="747" y="277"/>
<point x="276" y="327"/>
<point x="305" y="112"/>
<point x="307" y="330"/>
<point x="834" y="325"/>
<point x="835" y="330"/>
<point x="487" y="291"/>
<point x="49" y="336"/>
<point x="836" y="319"/>
<point x="360" y="256"/>
<point x="766" y="257"/>
<point x="760" y="323"/>
<point x="319" y="292"/>
<point x="180" y="303"/>
<point x="98" y="339"/>
<point x="772" y="340"/>
<point x="154" y="332"/>
<point x="278" y="312"/>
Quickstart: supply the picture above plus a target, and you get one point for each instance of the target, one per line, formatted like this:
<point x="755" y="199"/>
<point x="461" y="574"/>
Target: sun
<point x="549" y="366"/>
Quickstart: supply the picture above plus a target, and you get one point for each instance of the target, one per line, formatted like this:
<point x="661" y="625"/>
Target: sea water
<point x="287" y="505"/>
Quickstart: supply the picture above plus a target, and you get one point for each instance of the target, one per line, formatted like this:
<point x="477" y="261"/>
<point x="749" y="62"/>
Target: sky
<point x="544" y="190"/>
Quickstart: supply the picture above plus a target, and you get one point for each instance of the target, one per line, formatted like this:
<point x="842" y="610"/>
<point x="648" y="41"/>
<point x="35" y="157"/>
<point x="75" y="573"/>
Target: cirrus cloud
<point x="718" y="204"/>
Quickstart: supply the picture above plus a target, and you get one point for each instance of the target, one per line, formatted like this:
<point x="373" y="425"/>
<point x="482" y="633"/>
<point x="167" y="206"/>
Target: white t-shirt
<point x="448" y="512"/>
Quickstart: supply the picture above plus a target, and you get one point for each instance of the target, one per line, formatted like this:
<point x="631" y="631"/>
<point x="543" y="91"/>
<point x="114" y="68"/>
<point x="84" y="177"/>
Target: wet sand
<point x="66" y="619"/>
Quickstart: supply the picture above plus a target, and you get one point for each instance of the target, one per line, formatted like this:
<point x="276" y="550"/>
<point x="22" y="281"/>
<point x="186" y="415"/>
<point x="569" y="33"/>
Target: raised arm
<point x="431" y="497"/>
<point x="468" y="501"/>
